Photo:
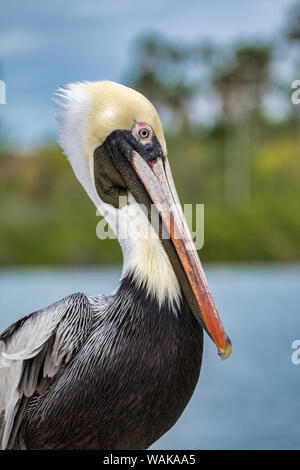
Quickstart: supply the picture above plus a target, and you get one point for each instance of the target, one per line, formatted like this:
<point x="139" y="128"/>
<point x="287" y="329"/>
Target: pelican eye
<point x="144" y="133"/>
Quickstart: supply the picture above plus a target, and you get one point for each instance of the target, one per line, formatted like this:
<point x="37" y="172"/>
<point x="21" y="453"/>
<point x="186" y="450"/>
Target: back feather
<point x="34" y="350"/>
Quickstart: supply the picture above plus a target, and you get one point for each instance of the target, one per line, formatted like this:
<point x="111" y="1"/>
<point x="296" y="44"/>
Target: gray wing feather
<point x="35" y="349"/>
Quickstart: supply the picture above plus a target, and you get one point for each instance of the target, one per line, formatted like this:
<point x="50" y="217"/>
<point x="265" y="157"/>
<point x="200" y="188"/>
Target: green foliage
<point x="243" y="166"/>
<point x="265" y="226"/>
<point x="46" y="217"/>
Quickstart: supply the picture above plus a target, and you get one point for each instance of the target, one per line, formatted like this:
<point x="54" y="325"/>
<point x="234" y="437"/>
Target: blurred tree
<point x="293" y="23"/>
<point x="241" y="81"/>
<point x="174" y="76"/>
<point x="39" y="224"/>
<point x="161" y="74"/>
<point x="292" y="36"/>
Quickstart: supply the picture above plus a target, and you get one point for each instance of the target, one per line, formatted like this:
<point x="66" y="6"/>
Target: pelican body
<point x="114" y="372"/>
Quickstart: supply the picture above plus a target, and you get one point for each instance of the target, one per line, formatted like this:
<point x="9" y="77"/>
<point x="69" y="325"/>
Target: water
<point x="250" y="401"/>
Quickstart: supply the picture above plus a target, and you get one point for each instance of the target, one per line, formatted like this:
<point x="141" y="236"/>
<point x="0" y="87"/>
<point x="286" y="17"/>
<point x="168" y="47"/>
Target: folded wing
<point x="33" y="351"/>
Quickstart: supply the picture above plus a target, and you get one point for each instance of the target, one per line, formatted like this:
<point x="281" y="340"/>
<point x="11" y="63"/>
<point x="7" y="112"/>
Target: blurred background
<point x="220" y="75"/>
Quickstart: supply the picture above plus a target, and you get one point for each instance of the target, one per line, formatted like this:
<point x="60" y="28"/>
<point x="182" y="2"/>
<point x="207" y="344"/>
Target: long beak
<point x="157" y="179"/>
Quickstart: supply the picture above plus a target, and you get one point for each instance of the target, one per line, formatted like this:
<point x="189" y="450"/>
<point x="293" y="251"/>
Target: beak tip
<point x="225" y="353"/>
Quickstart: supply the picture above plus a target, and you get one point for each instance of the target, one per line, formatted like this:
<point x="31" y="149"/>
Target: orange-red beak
<point x="158" y="181"/>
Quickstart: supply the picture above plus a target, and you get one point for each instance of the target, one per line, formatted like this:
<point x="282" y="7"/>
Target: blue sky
<point x="44" y="45"/>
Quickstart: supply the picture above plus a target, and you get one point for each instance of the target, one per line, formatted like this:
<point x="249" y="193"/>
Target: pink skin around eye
<point x="137" y="132"/>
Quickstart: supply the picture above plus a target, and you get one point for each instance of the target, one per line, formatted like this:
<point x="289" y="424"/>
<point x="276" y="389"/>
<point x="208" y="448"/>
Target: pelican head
<point x="115" y="143"/>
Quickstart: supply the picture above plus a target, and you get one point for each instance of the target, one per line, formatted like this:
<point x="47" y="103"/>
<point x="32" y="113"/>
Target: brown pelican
<point x="114" y="372"/>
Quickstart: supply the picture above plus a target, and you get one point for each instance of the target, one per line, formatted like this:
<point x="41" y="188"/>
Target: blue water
<point x="251" y="400"/>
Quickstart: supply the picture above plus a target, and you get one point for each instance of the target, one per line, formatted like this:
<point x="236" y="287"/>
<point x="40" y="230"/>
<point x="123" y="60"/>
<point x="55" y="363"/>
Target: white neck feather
<point x="145" y="257"/>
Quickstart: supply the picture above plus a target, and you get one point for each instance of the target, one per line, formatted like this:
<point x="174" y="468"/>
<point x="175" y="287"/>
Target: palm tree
<point x="242" y="80"/>
<point x="161" y="76"/>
